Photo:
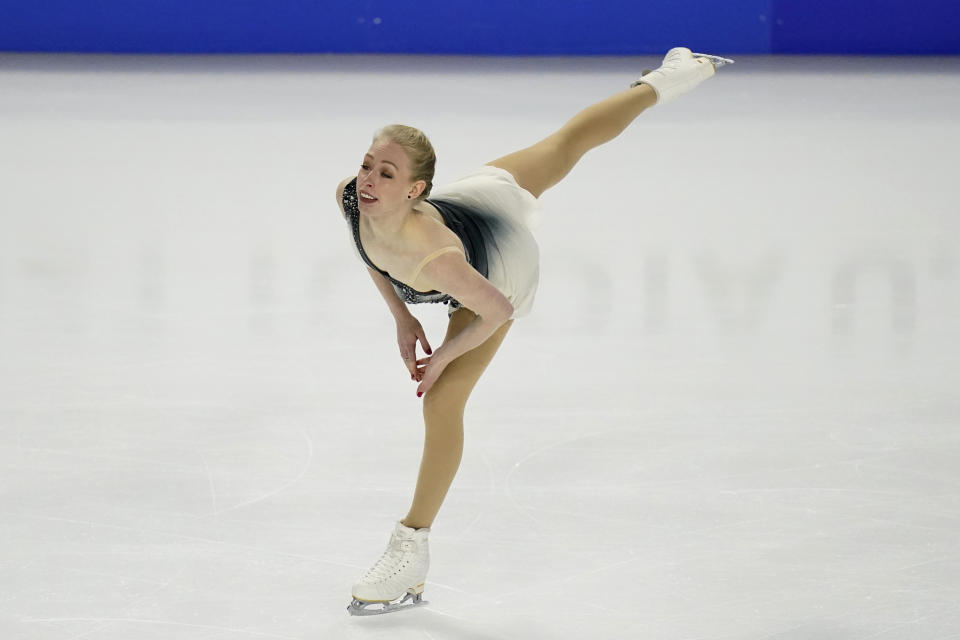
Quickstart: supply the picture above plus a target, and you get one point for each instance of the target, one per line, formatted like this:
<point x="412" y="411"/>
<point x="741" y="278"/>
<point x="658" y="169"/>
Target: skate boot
<point x="680" y="72"/>
<point x="396" y="580"/>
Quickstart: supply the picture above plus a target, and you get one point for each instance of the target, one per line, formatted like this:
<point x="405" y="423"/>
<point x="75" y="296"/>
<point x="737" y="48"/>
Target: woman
<point x="469" y="246"/>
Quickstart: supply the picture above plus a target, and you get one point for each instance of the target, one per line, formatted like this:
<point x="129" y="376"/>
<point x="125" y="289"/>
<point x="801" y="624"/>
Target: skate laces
<point x="387" y="563"/>
<point x="673" y="61"/>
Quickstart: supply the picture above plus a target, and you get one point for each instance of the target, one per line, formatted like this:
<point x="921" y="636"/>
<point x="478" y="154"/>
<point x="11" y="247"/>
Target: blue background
<point x="495" y="27"/>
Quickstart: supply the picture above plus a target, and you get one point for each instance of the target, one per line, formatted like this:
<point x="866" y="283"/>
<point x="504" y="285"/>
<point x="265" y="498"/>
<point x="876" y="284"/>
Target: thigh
<point x="539" y="167"/>
<point x="454" y="385"/>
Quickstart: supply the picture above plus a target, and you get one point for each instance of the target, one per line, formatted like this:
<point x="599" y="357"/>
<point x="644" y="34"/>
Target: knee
<point x="562" y="145"/>
<point x="568" y="146"/>
<point x="440" y="411"/>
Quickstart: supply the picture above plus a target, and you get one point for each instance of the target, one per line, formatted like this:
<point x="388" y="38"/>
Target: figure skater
<point x="470" y="246"/>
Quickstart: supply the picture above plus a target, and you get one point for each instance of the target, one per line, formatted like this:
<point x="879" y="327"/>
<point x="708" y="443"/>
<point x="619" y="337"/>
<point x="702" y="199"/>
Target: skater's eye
<point x="386" y="175"/>
<point x="364" y="166"/>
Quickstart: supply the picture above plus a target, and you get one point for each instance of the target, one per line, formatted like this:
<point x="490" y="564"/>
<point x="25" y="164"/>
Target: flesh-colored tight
<point x="536" y="169"/>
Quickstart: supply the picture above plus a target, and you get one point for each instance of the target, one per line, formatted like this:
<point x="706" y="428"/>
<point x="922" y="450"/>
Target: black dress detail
<point x="475" y="229"/>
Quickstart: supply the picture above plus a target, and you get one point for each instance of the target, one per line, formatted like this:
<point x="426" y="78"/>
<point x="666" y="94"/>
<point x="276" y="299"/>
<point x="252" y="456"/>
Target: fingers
<point x="408" y="350"/>
<point x="429" y="373"/>
<point x="420" y="369"/>
<point x="408" y="354"/>
<point x="423" y="341"/>
<point x="423" y="387"/>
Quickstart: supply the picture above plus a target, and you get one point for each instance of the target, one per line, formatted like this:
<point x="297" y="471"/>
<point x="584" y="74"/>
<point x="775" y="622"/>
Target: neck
<point x="389" y="224"/>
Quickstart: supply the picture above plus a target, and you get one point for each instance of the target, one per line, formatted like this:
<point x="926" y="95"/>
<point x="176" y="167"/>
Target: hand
<point x="409" y="330"/>
<point x="428" y="370"/>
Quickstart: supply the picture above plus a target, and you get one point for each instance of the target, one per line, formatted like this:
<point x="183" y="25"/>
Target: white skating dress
<point x="494" y="218"/>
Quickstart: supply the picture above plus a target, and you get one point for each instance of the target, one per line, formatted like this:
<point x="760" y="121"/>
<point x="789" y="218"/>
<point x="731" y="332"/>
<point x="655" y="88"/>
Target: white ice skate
<point x="681" y="71"/>
<point x="396" y="581"/>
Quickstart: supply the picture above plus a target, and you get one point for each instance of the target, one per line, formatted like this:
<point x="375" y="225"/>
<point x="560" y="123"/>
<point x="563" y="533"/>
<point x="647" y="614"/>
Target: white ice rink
<point x="733" y="414"/>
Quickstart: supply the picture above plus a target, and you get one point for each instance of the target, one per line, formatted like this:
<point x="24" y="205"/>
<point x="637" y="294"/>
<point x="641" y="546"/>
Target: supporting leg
<point x="443" y="421"/>
<point x="543" y="165"/>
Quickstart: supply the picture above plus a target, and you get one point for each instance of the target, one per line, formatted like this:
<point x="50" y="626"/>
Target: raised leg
<point x="543" y="165"/>
<point x="443" y="421"/>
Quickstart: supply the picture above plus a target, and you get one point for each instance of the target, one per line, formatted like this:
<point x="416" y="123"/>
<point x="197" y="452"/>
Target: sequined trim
<point x="406" y="293"/>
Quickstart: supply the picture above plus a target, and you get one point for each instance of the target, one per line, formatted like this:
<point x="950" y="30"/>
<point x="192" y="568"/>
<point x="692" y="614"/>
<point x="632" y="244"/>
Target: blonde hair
<point x="419" y="151"/>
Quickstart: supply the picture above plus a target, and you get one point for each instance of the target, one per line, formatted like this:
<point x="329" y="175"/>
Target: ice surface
<point x="733" y="413"/>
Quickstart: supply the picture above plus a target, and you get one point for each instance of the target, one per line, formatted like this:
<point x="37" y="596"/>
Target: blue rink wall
<point x="491" y="27"/>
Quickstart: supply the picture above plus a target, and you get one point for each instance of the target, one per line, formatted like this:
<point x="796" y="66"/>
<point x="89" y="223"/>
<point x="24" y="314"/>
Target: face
<point x="383" y="181"/>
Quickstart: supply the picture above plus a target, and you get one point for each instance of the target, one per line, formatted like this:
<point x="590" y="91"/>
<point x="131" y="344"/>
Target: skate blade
<point x="363" y="608"/>
<point x="716" y="60"/>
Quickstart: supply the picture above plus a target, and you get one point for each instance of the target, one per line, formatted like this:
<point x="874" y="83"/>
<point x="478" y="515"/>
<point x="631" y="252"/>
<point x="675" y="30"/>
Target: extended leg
<point x="443" y="420"/>
<point x="543" y="165"/>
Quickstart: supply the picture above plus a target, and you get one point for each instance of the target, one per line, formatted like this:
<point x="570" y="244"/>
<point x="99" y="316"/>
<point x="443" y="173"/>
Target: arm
<point x="452" y="274"/>
<point x="394" y="303"/>
<point x="409" y="329"/>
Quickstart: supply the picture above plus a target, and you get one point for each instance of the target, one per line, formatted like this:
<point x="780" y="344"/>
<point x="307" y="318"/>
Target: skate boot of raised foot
<point x="396" y="580"/>
<point x="681" y="71"/>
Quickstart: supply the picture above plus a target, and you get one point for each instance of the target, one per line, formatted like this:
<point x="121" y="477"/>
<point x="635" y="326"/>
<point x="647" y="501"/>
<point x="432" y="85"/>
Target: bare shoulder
<point x="432" y="236"/>
<point x="428" y="241"/>
<point x="437" y="261"/>
<point x="340" y="187"/>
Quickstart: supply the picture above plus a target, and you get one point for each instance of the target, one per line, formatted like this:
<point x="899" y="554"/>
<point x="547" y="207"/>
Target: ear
<point x="417" y="189"/>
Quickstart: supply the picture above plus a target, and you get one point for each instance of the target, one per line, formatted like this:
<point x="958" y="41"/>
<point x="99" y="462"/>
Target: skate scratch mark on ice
<point x="838" y="617"/>
<point x="442" y="585"/>
<point x="476" y="600"/>
<point x="907" y="524"/>
<point x="941" y="560"/>
<point x="115" y="576"/>
<point x="180" y="536"/>
<point x="491" y="488"/>
<point x="593" y="605"/>
<point x="89" y="456"/>
<point x="473" y="522"/>
<point x="506" y="595"/>
<point x="281" y="489"/>
<point x="213" y="488"/>
<point x="174" y="623"/>
<point x="797" y="627"/>
<point x="892" y="468"/>
<point x="507" y="484"/>
<point x="445" y="614"/>
<point x="132" y="605"/>
<point x="891" y="627"/>
<point x="699" y="531"/>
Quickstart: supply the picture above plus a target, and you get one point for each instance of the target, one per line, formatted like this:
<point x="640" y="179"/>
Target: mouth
<point x="365" y="197"/>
